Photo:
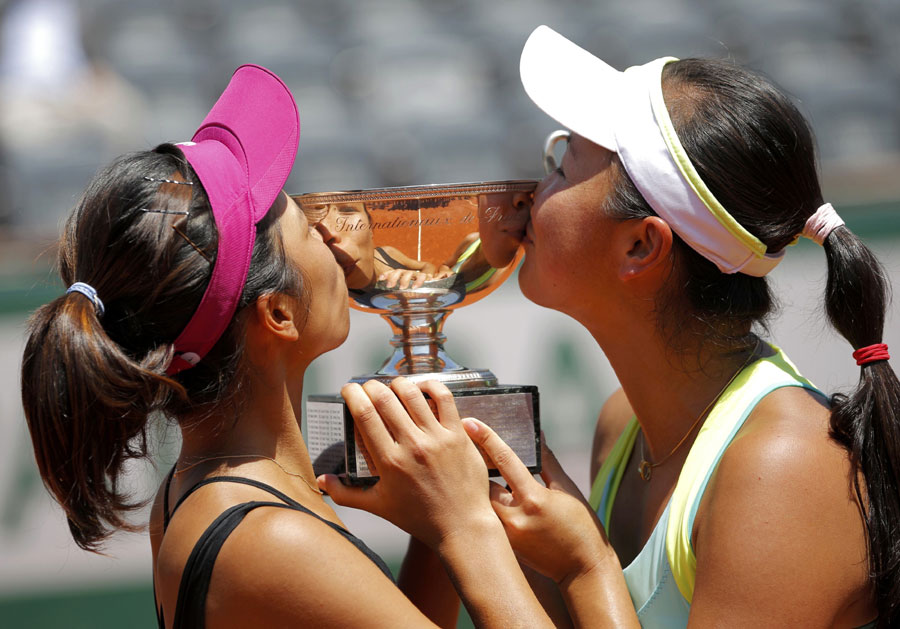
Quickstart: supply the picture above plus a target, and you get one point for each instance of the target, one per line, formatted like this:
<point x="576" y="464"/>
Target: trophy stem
<point x="418" y="343"/>
<point x="419" y="352"/>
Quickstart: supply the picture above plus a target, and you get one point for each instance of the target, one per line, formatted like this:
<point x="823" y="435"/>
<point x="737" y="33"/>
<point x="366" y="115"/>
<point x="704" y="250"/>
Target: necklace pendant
<point x="645" y="469"/>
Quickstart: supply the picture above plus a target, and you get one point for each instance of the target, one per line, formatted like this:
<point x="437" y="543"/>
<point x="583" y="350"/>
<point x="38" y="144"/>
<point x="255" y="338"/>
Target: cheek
<point x="562" y="253"/>
<point x="329" y="298"/>
<point x="359" y="242"/>
<point x="557" y="229"/>
<point x="567" y="220"/>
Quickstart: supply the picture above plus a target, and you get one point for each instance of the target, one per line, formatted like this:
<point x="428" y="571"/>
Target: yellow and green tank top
<point x="661" y="577"/>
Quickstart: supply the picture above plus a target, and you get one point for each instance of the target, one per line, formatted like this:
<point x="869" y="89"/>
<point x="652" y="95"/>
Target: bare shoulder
<point x="613" y="417"/>
<point x="277" y="567"/>
<point x="779" y="532"/>
<point x="785" y="441"/>
<point x="282" y="567"/>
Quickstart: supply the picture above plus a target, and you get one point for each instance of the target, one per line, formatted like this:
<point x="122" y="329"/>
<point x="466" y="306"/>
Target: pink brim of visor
<point x="242" y="154"/>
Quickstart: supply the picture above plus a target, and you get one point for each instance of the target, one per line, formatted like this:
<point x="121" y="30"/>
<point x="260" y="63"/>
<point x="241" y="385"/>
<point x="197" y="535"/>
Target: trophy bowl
<point x="413" y="255"/>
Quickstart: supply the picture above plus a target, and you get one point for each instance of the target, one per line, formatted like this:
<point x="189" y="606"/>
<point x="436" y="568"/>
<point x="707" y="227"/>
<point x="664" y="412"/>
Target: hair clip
<point x="191" y="243"/>
<point x="156" y="211"/>
<point x="183" y="183"/>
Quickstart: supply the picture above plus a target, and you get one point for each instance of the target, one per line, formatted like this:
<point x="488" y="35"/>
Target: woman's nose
<point x="329" y="235"/>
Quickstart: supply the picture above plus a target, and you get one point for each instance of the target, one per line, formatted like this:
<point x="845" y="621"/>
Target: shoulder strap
<point x="160" y="617"/>
<point x="481" y="279"/>
<point x="236" y="479"/>
<point x="166" y="499"/>
<point x="190" y="610"/>
<point x="606" y="484"/>
<point x="721" y="425"/>
<point x="388" y="260"/>
<point x="465" y="255"/>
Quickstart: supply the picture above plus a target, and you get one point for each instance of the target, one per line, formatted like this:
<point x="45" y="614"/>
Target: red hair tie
<point x="871" y="354"/>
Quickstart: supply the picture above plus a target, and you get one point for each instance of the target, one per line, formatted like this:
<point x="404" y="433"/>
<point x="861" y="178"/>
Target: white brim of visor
<point x="625" y="113"/>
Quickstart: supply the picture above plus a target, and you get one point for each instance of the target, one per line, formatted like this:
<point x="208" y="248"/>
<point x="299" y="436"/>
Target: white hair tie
<point x="90" y="292"/>
<point x="821" y="223"/>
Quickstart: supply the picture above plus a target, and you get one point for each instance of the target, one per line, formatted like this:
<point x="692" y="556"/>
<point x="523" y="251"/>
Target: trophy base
<point x="512" y="411"/>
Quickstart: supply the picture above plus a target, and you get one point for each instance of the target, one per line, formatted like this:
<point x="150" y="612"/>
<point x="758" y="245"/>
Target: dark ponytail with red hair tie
<point x="871" y="354"/>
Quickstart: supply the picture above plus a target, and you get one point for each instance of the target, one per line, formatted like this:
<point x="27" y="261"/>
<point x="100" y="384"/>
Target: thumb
<point x="503" y="501"/>
<point x="500" y="496"/>
<point x="364" y="498"/>
<point x="551" y="469"/>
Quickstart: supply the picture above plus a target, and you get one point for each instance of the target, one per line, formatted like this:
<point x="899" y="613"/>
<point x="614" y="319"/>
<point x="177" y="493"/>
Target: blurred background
<point x="391" y="92"/>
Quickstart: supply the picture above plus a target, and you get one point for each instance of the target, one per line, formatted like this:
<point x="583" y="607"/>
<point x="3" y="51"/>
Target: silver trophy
<point x="413" y="255"/>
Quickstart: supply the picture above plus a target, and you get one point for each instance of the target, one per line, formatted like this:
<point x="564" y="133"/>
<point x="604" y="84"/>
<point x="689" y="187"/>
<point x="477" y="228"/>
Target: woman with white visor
<point x="731" y="491"/>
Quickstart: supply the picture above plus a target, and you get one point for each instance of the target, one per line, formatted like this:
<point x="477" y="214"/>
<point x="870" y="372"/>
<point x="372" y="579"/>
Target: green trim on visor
<point x="690" y="174"/>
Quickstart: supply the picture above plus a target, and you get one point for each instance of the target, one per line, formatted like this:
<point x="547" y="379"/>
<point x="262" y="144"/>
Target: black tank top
<point x="190" y="610"/>
<point x="388" y="260"/>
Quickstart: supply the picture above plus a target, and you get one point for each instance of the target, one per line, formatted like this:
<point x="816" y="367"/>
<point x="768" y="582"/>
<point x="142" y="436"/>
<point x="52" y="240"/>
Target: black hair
<point x="90" y="383"/>
<point x="755" y="151"/>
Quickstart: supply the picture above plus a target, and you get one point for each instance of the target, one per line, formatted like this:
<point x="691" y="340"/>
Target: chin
<point x="359" y="280"/>
<point x="343" y="337"/>
<point x="340" y="330"/>
<point x="332" y="342"/>
<point x="527" y="285"/>
<point x="532" y="289"/>
<point x="500" y="254"/>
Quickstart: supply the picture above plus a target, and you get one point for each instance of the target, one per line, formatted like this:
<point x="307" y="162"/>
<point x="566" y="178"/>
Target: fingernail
<point x="471" y="426"/>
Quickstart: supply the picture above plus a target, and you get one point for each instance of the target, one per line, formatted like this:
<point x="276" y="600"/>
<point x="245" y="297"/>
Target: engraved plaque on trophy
<point x="413" y="255"/>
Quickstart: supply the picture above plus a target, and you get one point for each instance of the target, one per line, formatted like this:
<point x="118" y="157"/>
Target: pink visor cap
<point x="242" y="154"/>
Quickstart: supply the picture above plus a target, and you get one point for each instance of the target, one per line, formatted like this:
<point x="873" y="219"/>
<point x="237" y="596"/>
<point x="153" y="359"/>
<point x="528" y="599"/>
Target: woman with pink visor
<point x="727" y="489"/>
<point x="198" y="293"/>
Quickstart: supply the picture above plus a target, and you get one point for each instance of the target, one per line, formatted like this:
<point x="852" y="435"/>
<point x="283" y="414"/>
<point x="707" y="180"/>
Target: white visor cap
<point x="625" y="113"/>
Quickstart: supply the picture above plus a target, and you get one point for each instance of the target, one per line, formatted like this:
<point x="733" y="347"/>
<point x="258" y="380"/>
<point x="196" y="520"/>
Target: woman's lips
<point x="344" y="260"/>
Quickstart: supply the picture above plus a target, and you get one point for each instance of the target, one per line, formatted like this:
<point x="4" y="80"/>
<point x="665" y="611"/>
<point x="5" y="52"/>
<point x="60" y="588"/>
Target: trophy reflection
<point x="413" y="255"/>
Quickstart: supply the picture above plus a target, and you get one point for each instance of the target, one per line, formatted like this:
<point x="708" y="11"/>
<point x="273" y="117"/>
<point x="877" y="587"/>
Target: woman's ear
<point x="648" y="247"/>
<point x="276" y="313"/>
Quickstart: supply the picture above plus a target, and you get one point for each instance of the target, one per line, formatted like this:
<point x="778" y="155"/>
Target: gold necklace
<point x="645" y="468"/>
<point x="248" y="456"/>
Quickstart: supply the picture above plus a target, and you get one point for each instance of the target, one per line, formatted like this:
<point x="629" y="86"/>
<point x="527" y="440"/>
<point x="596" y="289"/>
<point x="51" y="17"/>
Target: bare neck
<point x="668" y="390"/>
<point x="267" y="427"/>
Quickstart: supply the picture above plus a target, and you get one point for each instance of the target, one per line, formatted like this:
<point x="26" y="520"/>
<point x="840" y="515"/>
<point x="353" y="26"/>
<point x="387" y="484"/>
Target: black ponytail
<point x="867" y="420"/>
<point x="755" y="151"/>
<point x="87" y="405"/>
<point x="90" y="383"/>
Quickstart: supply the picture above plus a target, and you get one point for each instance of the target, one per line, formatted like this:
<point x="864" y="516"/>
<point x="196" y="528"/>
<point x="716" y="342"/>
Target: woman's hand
<point x="406" y="279"/>
<point x="432" y="482"/>
<point x="552" y="529"/>
<point x="403" y="279"/>
<point x="436" y="272"/>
